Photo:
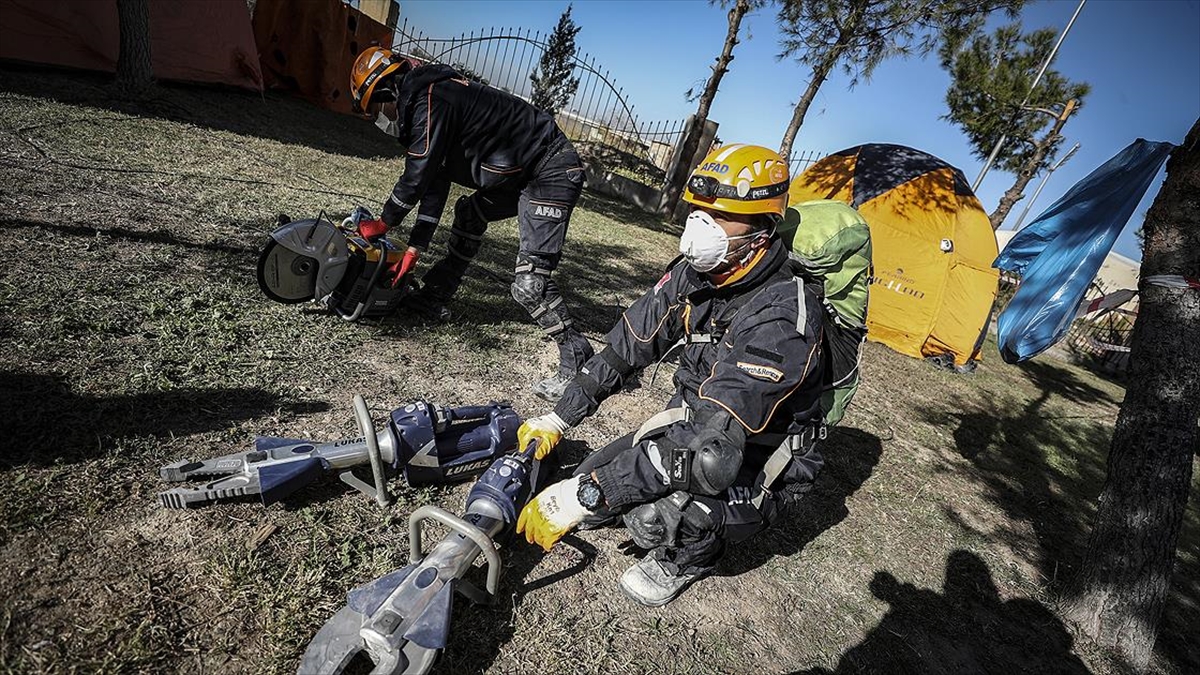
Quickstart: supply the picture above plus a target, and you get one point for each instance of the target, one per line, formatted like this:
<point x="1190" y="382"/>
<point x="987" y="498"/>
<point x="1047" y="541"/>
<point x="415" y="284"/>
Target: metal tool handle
<point x="362" y="306"/>
<point x="429" y="511"/>
<point x="367" y="428"/>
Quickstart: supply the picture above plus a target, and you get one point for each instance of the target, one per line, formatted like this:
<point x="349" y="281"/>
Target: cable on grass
<point x="127" y="118"/>
<point x="182" y="174"/>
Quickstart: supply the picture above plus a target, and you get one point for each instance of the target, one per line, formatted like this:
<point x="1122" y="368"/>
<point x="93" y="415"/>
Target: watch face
<point x="589" y="496"/>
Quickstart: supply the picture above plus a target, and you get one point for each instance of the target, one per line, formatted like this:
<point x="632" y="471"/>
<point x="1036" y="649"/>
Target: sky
<point x="1141" y="57"/>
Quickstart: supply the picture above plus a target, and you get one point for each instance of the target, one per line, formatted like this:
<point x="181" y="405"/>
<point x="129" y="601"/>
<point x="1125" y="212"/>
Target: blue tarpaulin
<point x="1059" y="253"/>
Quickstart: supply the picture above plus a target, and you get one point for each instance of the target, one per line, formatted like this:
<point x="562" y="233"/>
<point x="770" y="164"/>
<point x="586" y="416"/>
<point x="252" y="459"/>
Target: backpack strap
<point x="801" y="306"/>
<point x="781" y="458"/>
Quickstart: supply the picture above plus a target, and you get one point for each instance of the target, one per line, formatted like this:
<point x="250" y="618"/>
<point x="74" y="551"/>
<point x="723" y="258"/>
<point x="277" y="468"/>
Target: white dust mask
<point x="387" y="125"/>
<point x="704" y="244"/>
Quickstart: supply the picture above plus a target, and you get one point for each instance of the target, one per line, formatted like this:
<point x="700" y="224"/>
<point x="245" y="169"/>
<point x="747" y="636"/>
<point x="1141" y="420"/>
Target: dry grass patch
<point x="950" y="508"/>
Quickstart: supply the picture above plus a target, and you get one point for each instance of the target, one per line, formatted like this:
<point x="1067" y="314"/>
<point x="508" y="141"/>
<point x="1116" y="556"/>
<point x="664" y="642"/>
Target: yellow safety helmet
<point x="371" y="66"/>
<point x="739" y="178"/>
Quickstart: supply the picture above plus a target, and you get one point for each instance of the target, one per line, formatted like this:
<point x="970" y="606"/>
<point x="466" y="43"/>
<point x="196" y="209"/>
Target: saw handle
<point x="381" y="245"/>
<point x="468" y="413"/>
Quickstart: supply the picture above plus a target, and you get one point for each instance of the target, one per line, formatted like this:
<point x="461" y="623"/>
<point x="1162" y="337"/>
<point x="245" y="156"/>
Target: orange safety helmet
<point x="739" y="178"/>
<point x="371" y="66"/>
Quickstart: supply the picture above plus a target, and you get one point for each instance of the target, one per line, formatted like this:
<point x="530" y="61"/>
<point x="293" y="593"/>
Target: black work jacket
<point x="763" y="364"/>
<point x="464" y="132"/>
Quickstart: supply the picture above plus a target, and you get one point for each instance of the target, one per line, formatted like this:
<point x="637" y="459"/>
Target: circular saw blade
<point x="286" y="276"/>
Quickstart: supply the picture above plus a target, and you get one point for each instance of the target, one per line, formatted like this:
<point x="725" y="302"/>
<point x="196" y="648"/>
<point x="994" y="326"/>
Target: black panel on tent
<point x="882" y="166"/>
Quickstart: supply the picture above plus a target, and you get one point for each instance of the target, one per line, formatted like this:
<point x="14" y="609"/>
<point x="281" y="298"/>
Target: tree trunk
<point x="819" y="74"/>
<point x="673" y="189"/>
<point x="1027" y="172"/>
<point x="1015" y="193"/>
<point x="1118" y="596"/>
<point x="134" y="71"/>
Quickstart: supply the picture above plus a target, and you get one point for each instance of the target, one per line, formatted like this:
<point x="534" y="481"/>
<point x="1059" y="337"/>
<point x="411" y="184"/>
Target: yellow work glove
<point x="552" y="514"/>
<point x="547" y="430"/>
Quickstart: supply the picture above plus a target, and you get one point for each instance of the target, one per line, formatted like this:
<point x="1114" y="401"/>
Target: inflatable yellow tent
<point x="933" y="284"/>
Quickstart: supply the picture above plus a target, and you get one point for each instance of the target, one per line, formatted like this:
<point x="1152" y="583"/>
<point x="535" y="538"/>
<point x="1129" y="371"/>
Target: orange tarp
<point x="190" y="40"/>
<point x="308" y="47"/>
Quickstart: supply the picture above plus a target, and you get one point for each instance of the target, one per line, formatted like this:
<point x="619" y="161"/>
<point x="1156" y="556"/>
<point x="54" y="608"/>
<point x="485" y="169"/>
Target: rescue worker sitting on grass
<point x="738" y="442"/>
<point x="516" y="158"/>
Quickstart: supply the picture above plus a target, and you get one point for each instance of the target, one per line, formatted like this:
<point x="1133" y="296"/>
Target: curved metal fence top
<point x="598" y="111"/>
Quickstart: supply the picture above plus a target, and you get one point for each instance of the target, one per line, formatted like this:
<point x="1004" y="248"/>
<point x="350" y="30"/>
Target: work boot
<point x="430" y="299"/>
<point x="426" y="305"/>
<point x="552" y="388"/>
<point x="573" y="351"/>
<point x="651" y="584"/>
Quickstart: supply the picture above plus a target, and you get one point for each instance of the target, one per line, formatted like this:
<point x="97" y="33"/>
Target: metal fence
<point x="1104" y="340"/>
<point x="599" y="116"/>
<point x="801" y="160"/>
<point x="1100" y="340"/>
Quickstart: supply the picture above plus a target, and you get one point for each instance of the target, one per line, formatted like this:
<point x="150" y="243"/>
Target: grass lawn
<point x="950" y="512"/>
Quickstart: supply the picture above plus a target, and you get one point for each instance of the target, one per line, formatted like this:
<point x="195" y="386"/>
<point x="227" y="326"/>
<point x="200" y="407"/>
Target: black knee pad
<point x="715" y="466"/>
<point x="467" y="214"/>
<point x="529" y="290"/>
<point x="706" y="458"/>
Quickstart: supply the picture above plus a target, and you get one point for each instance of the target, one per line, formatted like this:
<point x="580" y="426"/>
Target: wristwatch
<point x="589" y="495"/>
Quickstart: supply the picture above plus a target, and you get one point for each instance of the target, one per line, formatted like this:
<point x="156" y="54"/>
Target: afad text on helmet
<point x="715" y="167"/>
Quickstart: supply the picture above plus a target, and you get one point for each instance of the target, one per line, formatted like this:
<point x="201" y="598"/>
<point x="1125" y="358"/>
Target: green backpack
<point x="831" y="242"/>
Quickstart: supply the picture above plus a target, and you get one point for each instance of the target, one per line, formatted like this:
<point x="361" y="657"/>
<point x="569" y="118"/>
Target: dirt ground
<point x="950" y="512"/>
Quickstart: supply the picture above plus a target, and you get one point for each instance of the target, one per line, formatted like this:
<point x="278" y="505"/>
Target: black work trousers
<point x="542" y="205"/>
<point x="708" y="523"/>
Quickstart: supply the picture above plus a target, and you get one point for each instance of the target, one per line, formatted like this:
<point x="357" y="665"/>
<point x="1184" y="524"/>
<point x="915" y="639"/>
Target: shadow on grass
<point x="850" y="459"/>
<point x="1042" y="469"/>
<point x="47" y="422"/>
<point x="479" y="632"/>
<point x="270" y="116"/>
<point x="595" y="279"/>
<point x="125" y="234"/>
<point x="1045" y="470"/>
<point x="626" y="214"/>
<point x="966" y="628"/>
<point x="1063" y="382"/>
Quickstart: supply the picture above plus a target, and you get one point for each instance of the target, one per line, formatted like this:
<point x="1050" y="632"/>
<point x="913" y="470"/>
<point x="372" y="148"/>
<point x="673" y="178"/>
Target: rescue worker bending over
<point x="513" y="155"/>
<point x="738" y="441"/>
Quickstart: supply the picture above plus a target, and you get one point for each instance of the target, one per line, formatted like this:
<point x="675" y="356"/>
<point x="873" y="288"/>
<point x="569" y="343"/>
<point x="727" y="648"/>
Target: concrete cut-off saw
<point x="317" y="261"/>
